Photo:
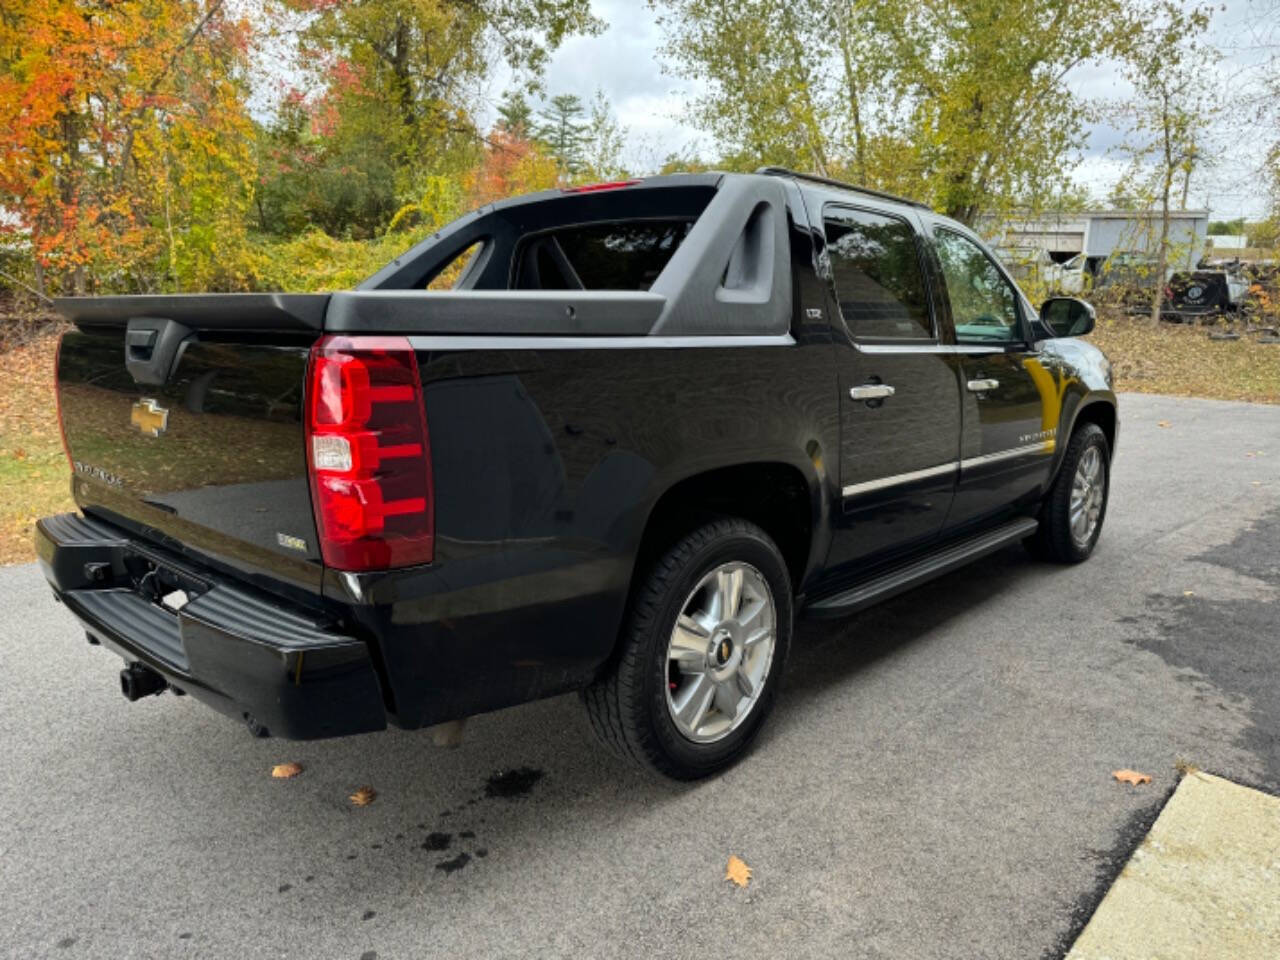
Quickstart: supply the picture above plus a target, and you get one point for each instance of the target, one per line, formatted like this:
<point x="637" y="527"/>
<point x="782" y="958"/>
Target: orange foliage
<point x="120" y="124"/>
<point x="511" y="165"/>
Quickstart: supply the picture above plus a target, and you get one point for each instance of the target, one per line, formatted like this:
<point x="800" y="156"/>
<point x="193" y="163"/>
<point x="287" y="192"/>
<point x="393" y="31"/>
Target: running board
<point x="912" y="575"/>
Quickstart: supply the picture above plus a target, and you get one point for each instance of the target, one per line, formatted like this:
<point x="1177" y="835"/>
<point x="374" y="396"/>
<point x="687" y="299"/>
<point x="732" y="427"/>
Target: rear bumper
<point x="249" y="655"/>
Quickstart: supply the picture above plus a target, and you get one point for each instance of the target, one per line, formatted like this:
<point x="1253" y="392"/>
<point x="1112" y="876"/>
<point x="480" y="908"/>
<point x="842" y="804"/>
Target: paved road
<point x="934" y="784"/>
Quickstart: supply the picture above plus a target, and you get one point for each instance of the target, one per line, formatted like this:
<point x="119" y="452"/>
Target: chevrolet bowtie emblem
<point x="149" y="417"/>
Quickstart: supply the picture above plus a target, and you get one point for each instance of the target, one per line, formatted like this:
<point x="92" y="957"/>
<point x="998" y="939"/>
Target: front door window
<point x="984" y="305"/>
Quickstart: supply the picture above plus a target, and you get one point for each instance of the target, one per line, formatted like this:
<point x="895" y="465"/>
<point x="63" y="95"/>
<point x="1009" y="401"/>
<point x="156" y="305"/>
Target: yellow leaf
<point x="1132" y="777"/>
<point x="363" y="797"/>
<point x="738" y="872"/>
<point x="286" y="771"/>
<point x="1164" y="423"/>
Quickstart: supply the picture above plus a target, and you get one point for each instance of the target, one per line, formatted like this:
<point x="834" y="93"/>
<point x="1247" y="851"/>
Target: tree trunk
<point x="1162" y="251"/>
<point x="37" y="270"/>
<point x="854" y="95"/>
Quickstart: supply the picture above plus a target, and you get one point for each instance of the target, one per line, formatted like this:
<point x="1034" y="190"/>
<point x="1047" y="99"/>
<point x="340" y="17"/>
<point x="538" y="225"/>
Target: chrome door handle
<point x="982" y="386"/>
<point x="871" y="391"/>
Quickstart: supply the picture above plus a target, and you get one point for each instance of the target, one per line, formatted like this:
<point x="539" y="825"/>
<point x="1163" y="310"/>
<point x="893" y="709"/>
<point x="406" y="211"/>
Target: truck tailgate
<point x="210" y="457"/>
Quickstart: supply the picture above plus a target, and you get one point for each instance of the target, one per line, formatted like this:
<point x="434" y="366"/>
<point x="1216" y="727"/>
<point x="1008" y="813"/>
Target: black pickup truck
<point x="650" y="424"/>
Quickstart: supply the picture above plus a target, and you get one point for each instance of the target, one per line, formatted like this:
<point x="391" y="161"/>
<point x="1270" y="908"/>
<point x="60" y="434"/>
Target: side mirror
<point x="1067" y="316"/>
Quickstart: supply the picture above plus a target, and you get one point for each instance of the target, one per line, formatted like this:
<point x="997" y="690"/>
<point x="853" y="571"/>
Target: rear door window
<point x="627" y="255"/>
<point x="875" y="266"/>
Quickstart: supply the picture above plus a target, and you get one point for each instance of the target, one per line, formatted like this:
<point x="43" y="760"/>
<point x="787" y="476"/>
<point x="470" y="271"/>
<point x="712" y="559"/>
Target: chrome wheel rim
<point x="1088" y="489"/>
<point x="720" y="652"/>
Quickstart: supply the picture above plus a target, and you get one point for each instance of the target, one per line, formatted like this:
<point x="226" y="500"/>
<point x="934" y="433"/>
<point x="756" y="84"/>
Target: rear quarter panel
<point x="547" y="462"/>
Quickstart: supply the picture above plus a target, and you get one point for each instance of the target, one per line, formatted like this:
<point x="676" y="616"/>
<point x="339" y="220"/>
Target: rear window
<point x="875" y="266"/>
<point x="625" y="255"/>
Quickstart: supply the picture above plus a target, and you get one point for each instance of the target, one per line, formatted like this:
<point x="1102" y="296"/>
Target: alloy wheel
<point x="1088" y="489"/>
<point x="720" y="651"/>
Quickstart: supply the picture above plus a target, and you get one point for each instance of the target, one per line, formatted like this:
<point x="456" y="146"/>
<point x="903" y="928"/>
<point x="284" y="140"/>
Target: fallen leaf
<point x="1132" y="777"/>
<point x="738" y="872"/>
<point x="1188" y="593"/>
<point x="363" y="797"/>
<point x="286" y="771"/>
<point x="1164" y="423"/>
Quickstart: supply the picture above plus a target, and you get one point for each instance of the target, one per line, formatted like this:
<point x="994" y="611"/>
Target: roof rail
<point x="814" y="178"/>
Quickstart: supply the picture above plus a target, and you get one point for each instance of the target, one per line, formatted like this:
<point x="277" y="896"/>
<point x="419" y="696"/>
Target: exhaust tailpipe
<point x="138" y="680"/>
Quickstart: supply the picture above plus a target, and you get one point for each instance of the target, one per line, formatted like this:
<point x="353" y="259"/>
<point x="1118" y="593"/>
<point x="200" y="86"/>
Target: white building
<point x="1228" y="241"/>
<point x="1099" y="233"/>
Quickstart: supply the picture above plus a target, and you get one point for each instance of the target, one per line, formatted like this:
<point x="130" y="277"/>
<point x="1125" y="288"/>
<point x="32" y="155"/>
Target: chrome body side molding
<point x="1043" y="448"/>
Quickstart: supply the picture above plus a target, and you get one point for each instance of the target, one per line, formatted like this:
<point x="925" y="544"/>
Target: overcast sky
<point x="623" y="61"/>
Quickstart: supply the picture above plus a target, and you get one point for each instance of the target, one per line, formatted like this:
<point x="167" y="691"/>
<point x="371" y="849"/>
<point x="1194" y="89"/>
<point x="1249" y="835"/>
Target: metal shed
<point x="1099" y="233"/>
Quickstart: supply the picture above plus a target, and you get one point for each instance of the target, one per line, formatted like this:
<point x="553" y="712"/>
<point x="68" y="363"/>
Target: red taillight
<point x="57" y="397"/>
<point x="597" y="187"/>
<point x="368" y="454"/>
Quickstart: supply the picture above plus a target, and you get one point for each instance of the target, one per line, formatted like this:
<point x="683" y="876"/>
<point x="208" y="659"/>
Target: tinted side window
<point x="876" y="269"/>
<point x="984" y="306"/>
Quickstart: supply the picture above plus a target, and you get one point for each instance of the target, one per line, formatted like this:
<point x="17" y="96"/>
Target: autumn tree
<point x="317" y="169"/>
<point x="1170" y="106"/>
<point x="124" y="141"/>
<point x="963" y="103"/>
<point x="603" y="142"/>
<point x="510" y="165"/>
<point x="1261" y="107"/>
<point x="395" y="84"/>
<point x="768" y="70"/>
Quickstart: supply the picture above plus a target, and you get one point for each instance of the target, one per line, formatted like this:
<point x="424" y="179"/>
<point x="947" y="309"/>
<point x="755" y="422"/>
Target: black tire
<point x="628" y="704"/>
<point x="1054" y="539"/>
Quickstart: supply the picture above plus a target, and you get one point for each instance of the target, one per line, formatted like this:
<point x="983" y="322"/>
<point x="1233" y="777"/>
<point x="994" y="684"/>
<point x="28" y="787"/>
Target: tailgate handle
<point x="150" y="346"/>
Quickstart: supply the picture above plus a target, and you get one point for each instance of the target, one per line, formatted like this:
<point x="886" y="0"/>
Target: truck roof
<point x="841" y="185"/>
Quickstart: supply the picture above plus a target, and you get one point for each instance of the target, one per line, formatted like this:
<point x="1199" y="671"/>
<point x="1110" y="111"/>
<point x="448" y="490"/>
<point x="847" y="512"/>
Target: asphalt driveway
<point x="935" y="783"/>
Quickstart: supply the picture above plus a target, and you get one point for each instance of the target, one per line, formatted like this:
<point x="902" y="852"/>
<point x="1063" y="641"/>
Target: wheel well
<point x="774" y="496"/>
<point x="1104" y="415"/>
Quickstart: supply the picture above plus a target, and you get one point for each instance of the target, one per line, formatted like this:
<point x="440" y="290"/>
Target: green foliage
<point x="769" y="98"/>
<point x="345" y="185"/>
<point x="564" y="131"/>
<point x="603" y="143"/>
<point x="963" y="103"/>
<point x="314" y="261"/>
<point x="124" y="148"/>
<point x="1226" y="228"/>
<point x="1170" y="107"/>
<point x="129" y="161"/>
<point x="1265" y="234"/>
<point x="515" y="116"/>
